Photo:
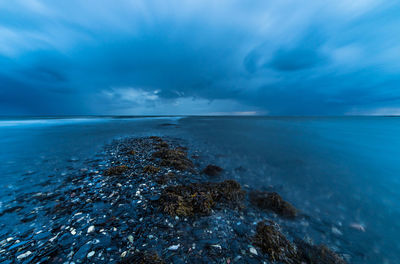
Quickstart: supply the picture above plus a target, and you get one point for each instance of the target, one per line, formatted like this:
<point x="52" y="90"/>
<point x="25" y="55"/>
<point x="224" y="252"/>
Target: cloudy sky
<point x="277" y="57"/>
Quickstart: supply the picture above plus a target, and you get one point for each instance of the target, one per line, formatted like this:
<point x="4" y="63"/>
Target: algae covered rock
<point x="272" y="242"/>
<point x="317" y="254"/>
<point x="175" y="158"/>
<point x="150" y="169"/>
<point x="274" y="202"/>
<point x="212" y="170"/>
<point x="117" y="170"/>
<point x="200" y="198"/>
<point x="142" y="258"/>
<point x="278" y="248"/>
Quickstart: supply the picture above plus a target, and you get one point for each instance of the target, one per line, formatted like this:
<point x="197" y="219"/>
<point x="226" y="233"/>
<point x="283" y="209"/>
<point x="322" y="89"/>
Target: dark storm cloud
<point x="199" y="57"/>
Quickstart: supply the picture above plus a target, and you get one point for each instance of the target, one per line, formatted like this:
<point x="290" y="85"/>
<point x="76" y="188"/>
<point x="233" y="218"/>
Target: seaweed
<point x="142" y="258"/>
<point x="274" y="202"/>
<point x="212" y="170"/>
<point x="317" y="254"/>
<point x="117" y="170"/>
<point x="200" y="198"/>
<point x="175" y="158"/>
<point x="150" y="169"/>
<point x="272" y="242"/>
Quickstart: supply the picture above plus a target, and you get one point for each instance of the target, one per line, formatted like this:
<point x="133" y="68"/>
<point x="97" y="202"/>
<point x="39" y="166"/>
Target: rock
<point x="142" y="258"/>
<point x="253" y="251"/>
<point x="82" y="252"/>
<point x="274" y="202"/>
<point x="150" y="169"/>
<point x="174" y="247"/>
<point x="359" y="227"/>
<point x="91" y="254"/>
<point x="90" y="229"/>
<point x="24" y="255"/>
<point x="200" y="198"/>
<point x="274" y="243"/>
<point x="320" y="254"/>
<point x="175" y="158"/>
<point x="212" y="170"/>
<point x="117" y="170"/>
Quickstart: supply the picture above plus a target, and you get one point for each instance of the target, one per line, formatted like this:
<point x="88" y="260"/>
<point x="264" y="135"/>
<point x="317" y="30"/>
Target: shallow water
<point x="343" y="173"/>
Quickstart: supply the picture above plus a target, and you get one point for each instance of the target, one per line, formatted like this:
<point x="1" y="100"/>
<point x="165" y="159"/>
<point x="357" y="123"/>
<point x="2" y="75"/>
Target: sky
<point x="225" y="57"/>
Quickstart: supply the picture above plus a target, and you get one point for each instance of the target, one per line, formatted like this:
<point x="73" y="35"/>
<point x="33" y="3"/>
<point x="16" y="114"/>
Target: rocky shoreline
<point x="148" y="201"/>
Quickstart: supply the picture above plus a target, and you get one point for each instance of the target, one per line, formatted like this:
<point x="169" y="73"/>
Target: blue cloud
<point x="267" y="56"/>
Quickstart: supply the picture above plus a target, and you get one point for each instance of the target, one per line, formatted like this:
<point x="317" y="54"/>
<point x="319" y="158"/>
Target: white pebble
<point x="253" y="251"/>
<point x="174" y="247"/>
<point x="90" y="229"/>
<point x="90" y="254"/>
<point x="24" y="255"/>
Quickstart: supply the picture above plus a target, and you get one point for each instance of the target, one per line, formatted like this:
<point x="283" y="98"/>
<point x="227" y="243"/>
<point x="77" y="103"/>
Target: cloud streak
<point x="199" y="57"/>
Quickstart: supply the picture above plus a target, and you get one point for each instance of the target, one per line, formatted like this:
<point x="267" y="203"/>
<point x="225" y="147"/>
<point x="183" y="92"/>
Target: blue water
<point x="342" y="173"/>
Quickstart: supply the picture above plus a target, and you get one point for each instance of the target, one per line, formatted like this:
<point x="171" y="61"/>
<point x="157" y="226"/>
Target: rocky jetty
<point x="143" y="200"/>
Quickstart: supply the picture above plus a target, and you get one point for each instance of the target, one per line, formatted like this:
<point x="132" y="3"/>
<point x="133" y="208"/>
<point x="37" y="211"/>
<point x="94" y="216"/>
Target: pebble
<point x="253" y="251"/>
<point x="24" y="255"/>
<point x="91" y="254"/>
<point x="174" y="247"/>
<point x="90" y="229"/>
<point x="359" y="227"/>
<point x="336" y="231"/>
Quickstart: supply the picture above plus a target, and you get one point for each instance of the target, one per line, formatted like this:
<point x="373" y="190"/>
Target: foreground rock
<point x="200" y="198"/>
<point x="142" y="258"/>
<point x="272" y="242"/>
<point x="317" y="254"/>
<point x="274" y="202"/>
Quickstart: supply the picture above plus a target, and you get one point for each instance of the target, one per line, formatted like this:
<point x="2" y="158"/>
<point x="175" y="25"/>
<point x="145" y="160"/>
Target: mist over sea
<point x="343" y="173"/>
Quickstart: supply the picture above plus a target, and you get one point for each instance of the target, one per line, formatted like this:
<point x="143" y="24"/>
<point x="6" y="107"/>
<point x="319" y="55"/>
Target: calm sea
<point x="342" y="173"/>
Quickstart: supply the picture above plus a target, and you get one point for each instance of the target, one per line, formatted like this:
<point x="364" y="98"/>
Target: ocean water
<point x="343" y="174"/>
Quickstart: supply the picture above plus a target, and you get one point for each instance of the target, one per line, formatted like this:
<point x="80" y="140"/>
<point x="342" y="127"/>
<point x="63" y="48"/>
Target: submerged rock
<point x="142" y="258"/>
<point x="200" y="198"/>
<point x="117" y="170"/>
<point x="212" y="170"/>
<point x="274" y="202"/>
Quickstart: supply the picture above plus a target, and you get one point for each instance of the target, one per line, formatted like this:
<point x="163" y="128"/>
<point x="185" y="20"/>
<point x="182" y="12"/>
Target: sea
<point x="342" y="173"/>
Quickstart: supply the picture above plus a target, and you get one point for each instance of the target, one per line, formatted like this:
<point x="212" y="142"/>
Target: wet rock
<point x="142" y="258"/>
<point x="11" y="210"/>
<point x="212" y="170"/>
<point x="150" y="169"/>
<point x="82" y="252"/>
<point x="117" y="170"/>
<point x="274" y="202"/>
<point x="200" y="198"/>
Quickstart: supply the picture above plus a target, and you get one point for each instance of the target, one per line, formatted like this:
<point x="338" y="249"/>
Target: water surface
<point x="341" y="173"/>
